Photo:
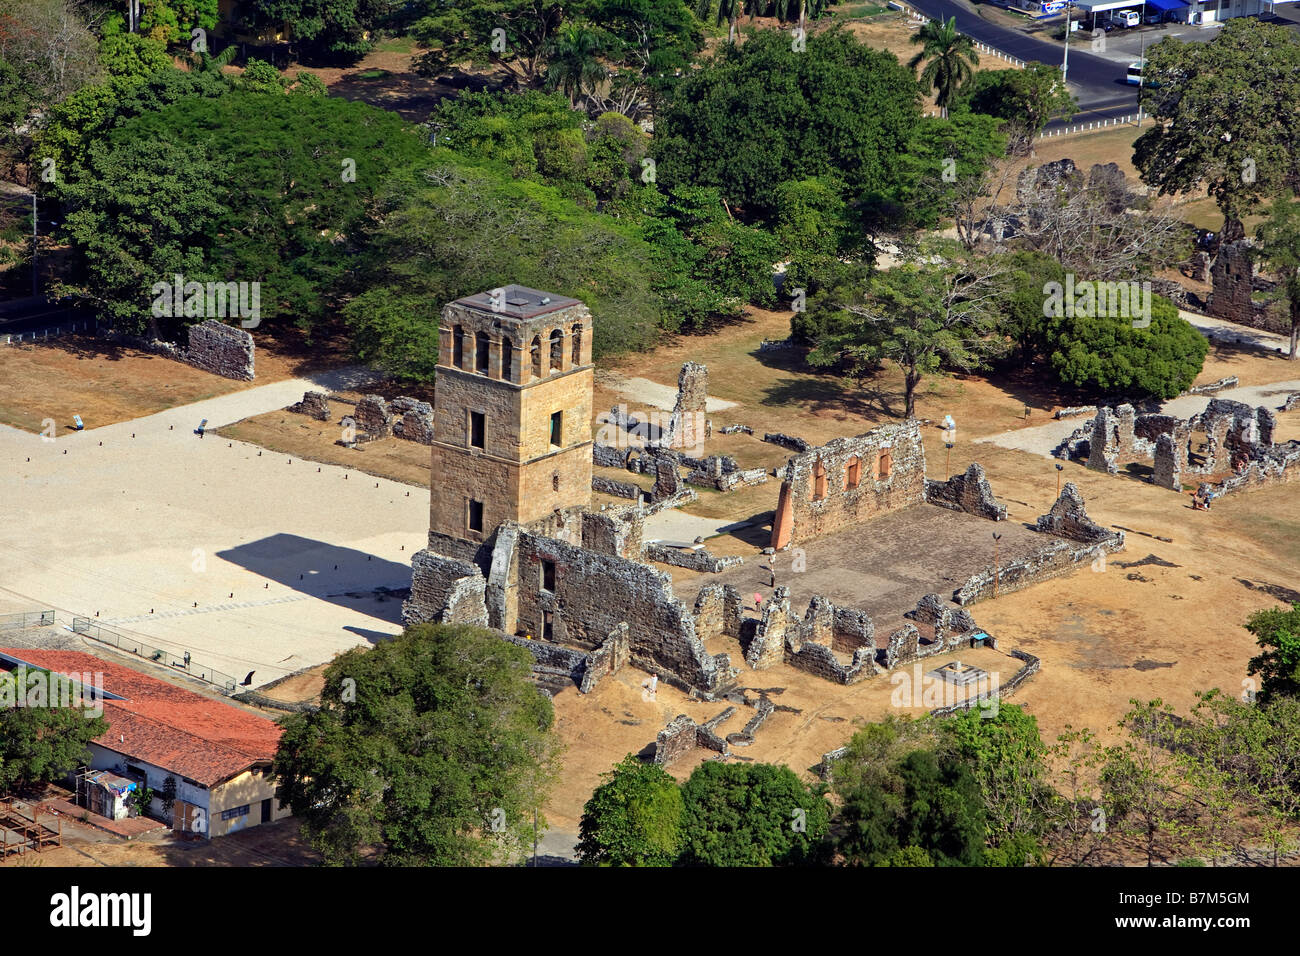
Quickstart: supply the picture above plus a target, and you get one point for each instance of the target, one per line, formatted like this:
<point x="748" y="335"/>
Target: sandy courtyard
<point x="248" y="561"/>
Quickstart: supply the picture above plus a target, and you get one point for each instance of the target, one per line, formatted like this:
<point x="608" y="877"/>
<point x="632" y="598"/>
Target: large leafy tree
<point x="329" y="31"/>
<point x="433" y="748"/>
<point x="1279" y="248"/>
<point x="514" y="35"/>
<point x="1107" y="354"/>
<point x="924" y="317"/>
<point x="943" y="809"/>
<point x="634" y="818"/>
<point x="140" y="216"/>
<point x="752" y="815"/>
<point x="301" y="177"/>
<point x="1025" y="100"/>
<point x="760" y="114"/>
<point x="39" y="744"/>
<point x="1277" y="632"/>
<point x="1225" y="117"/>
<point x="949" y="59"/>
<point x="1007" y="757"/>
<point x="470" y="227"/>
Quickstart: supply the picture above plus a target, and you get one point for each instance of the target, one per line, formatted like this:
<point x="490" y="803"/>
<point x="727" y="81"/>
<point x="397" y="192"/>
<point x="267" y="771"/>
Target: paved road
<point x="1099" y="83"/>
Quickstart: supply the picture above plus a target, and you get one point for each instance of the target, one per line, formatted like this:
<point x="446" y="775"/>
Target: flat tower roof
<point x="517" y="302"/>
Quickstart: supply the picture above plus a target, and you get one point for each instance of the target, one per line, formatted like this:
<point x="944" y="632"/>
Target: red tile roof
<point x="185" y="733"/>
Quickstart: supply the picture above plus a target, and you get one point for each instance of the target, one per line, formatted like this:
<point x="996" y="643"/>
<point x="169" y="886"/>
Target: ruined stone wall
<point x="415" y="421"/>
<point x="1234" y="277"/>
<point x="687" y="427"/>
<point x="1029" y="667"/>
<point x="221" y="349"/>
<point x="1281" y="463"/>
<point x="676" y="740"/>
<point x="374" y="420"/>
<point x="816" y="497"/>
<point x="619" y="489"/>
<point x="1054" y="560"/>
<point x="313" y="405"/>
<point x="693" y="559"/>
<point x="444" y="591"/>
<point x="788" y="441"/>
<point x="811" y="643"/>
<point x="1068" y="518"/>
<point x="718" y="612"/>
<point x="616" y="532"/>
<point x="594" y="593"/>
<point x="970" y="493"/>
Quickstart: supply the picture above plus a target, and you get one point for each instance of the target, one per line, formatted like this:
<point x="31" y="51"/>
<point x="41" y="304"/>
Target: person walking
<point x="771" y="569"/>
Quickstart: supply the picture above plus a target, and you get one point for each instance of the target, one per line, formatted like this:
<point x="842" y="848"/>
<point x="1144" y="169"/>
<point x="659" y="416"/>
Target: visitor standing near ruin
<point x="771" y="569"/>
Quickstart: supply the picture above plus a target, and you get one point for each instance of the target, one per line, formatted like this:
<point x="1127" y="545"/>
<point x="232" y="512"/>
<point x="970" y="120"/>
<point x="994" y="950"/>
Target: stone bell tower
<point x="512" y="414"/>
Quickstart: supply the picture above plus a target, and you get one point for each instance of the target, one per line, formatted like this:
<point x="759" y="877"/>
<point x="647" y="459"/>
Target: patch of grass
<point x="856" y="11"/>
<point x="396" y="45"/>
<point x="374" y="74"/>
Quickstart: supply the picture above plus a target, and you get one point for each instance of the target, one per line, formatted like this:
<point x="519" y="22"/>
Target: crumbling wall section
<point x="718" y="612"/>
<point x="414" y="421"/>
<point x="688" y="425"/>
<point x="593" y="593"/>
<point x="1056" y="559"/>
<point x="970" y="493"/>
<point x="373" y="418"/>
<point x="693" y="559"/>
<point x="616" y="531"/>
<point x="1068" y="518"/>
<point x="314" y="405"/>
<point x="445" y="591"/>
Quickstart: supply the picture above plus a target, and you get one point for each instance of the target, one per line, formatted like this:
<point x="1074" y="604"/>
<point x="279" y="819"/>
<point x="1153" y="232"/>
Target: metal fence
<point x="1134" y="118"/>
<point x="183" y="662"/>
<point x="26" y="619"/>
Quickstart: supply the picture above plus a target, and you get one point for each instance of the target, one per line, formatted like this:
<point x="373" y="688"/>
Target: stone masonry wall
<point x="817" y="496"/>
<point x="313" y="405"/>
<point x="221" y="349"/>
<point x="444" y="591"/>
<point x="595" y="593"/>
<point x="969" y="493"/>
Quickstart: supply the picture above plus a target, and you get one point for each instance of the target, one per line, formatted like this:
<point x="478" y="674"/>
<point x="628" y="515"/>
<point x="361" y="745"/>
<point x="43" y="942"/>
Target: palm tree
<point x="952" y="60"/>
<point x="728" y="10"/>
<point x="573" y="65"/>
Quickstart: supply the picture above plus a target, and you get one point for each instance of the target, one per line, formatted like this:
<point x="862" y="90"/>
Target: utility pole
<point x="996" y="538"/>
<point x="34" y="242"/>
<point x="1065" y="61"/>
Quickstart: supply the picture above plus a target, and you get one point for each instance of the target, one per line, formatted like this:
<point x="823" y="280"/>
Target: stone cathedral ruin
<point x="516" y="545"/>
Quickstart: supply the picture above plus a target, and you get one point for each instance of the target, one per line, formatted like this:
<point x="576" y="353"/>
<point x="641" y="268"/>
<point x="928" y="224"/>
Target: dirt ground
<point x="106" y="383"/>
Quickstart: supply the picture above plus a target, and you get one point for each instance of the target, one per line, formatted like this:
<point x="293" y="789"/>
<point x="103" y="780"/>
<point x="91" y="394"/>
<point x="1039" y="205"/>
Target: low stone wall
<point x="619" y="489"/>
<point x="1224" y="383"/>
<point x="728" y="481"/>
<point x="695" y="559"/>
<point x="1057" y="559"/>
<point x="1279" y="464"/>
<point x="1030" y="667"/>
<point x="1068" y="518"/>
<point x="373" y="418"/>
<point x="1075" y="411"/>
<point x="787" y="441"/>
<point x="1291" y="402"/>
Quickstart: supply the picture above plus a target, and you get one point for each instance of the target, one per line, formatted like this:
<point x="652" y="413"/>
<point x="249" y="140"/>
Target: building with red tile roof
<point x="218" y="755"/>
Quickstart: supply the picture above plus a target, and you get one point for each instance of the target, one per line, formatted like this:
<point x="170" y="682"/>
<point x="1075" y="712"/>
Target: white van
<point x="1126" y="18"/>
<point x="1135" y="72"/>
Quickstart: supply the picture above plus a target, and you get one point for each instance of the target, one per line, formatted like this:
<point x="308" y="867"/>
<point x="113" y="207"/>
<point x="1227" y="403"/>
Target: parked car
<point x="1126" y="18"/>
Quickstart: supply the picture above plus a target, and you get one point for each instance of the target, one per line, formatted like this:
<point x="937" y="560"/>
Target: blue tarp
<point x="1164" y="6"/>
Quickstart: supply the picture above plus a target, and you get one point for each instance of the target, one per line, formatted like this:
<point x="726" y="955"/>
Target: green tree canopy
<point x="1107" y="354"/>
<point x="759" y="114"/>
<point x="1279" y="248"/>
<point x="1277" y="632"/>
<point x="39" y="744"/>
<point x="1224" y="115"/>
<point x="434" y="748"/>
<point x="634" y="818"/>
<point x="1025" y="100"/>
<point x="925" y="316"/>
<point x="752" y="815"/>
